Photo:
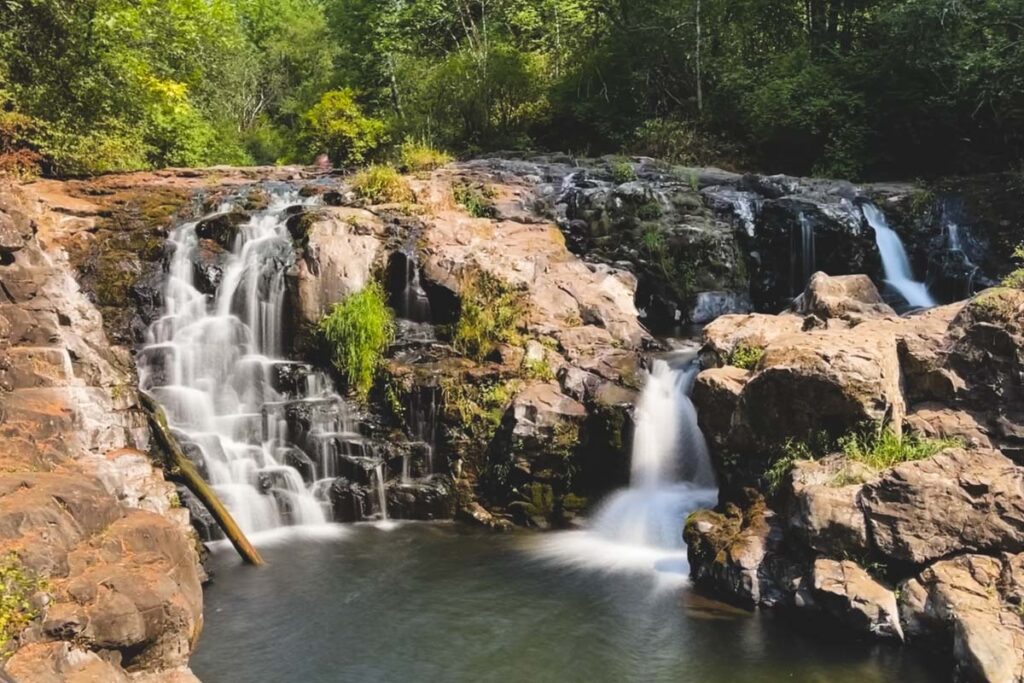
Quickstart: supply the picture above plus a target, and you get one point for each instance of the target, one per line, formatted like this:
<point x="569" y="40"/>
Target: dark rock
<point x="222" y="228"/>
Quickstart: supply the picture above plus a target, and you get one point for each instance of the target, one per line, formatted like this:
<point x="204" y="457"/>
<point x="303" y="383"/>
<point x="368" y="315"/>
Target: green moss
<point x="997" y="305"/>
<point x="359" y="331"/>
<point x="491" y="312"/>
<point x="381" y="184"/>
<point x="17" y="587"/>
<point x="477" y="199"/>
<point x="746" y="357"/>
<point x="538" y="501"/>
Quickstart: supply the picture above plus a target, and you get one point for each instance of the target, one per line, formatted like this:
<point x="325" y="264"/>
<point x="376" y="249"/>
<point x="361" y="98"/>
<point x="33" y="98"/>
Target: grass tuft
<point x="746" y="357"/>
<point x="17" y="586"/>
<point x="381" y="184"/>
<point x="416" y="156"/>
<point x="491" y="313"/>
<point x="359" y="331"/>
<point x="478" y="200"/>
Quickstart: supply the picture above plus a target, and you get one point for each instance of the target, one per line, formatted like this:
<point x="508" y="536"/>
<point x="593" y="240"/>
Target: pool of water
<point x="446" y="602"/>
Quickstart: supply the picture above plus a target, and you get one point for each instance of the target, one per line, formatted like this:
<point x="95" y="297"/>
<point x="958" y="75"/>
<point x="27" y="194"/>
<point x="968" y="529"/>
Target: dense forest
<point x="853" y="88"/>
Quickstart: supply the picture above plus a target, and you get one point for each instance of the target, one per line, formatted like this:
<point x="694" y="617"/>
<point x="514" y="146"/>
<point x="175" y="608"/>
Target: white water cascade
<point x="671" y="475"/>
<point x="265" y="432"/>
<point x="895" y="261"/>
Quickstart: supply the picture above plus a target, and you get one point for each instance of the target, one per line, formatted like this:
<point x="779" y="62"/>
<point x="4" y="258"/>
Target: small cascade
<point x="269" y="434"/>
<point x="414" y="303"/>
<point x="671" y="475"/>
<point x="895" y="262"/>
<point x="804" y="254"/>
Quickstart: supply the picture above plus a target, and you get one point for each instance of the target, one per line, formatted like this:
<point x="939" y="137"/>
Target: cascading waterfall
<point x="895" y="261"/>
<point x="671" y="475"/>
<point x="804" y="255"/>
<point x="266" y="432"/>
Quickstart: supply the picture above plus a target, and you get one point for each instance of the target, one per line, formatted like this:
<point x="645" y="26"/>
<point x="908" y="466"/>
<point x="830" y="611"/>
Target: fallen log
<point x="181" y="467"/>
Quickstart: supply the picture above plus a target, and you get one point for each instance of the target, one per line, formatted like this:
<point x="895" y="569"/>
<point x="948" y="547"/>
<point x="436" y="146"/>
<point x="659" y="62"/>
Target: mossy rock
<point x="222" y="228"/>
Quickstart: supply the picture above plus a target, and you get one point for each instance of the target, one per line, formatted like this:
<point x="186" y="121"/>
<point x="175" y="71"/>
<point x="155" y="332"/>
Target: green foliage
<point x="745" y="356"/>
<point x="622" y="171"/>
<point x="381" y="184"/>
<point x="491" y="312"/>
<point x="359" y="331"/>
<point x="881" y="448"/>
<point x="17" y="587"/>
<point x="651" y="211"/>
<point x="1016" y="278"/>
<point x="336" y="125"/>
<point x="475" y="411"/>
<point x="537" y="370"/>
<point x="477" y="199"/>
<point x="779" y="471"/>
<point x="417" y="157"/>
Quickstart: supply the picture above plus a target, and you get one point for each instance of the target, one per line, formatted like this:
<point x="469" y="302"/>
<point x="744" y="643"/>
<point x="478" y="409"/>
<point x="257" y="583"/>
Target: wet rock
<point x="972" y="603"/>
<point x="352" y="502"/>
<point x="222" y="228"/>
<point x="736" y="554"/>
<point x="955" y="502"/>
<point x="855" y="598"/>
<point x="208" y="266"/>
<point x="712" y="305"/>
<point x="850" y="297"/>
<point x="432" y="499"/>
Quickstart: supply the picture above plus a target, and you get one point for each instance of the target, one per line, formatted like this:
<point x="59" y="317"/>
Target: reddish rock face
<point x="80" y="509"/>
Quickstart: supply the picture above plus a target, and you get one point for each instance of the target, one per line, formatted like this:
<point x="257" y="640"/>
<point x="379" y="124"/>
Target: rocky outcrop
<point x="112" y="577"/>
<point x="925" y="550"/>
<point x="955" y="502"/>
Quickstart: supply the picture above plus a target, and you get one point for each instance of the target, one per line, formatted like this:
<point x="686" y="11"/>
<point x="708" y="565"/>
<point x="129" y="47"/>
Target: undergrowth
<point x="477" y="199"/>
<point x="490" y="314"/>
<point x="1016" y="278"/>
<point x="381" y="184"/>
<point x="17" y="586"/>
<point x="416" y="156"/>
<point x="746" y="356"/>
<point x="359" y="331"/>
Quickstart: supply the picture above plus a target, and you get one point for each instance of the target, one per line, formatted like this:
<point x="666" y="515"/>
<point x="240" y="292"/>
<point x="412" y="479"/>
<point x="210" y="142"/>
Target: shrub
<point x="381" y="184"/>
<point x="676" y="142"/>
<point x="490" y="314"/>
<point x="745" y="356"/>
<point x="881" y="448"/>
<point x="336" y="125"/>
<point x="416" y="157"/>
<point x="17" y="586"/>
<point x="651" y="211"/>
<point x="18" y="157"/>
<point x="622" y="171"/>
<point x="1016" y="278"/>
<point x="359" y="331"/>
<point x="476" y="199"/>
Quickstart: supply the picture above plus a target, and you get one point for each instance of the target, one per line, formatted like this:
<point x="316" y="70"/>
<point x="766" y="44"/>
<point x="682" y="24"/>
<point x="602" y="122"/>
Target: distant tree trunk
<point x="700" y="85"/>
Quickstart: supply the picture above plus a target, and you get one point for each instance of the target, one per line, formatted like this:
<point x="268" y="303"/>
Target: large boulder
<point x="956" y="502"/>
<point x="855" y="598"/>
<point x="340" y="247"/>
<point x="824" y="512"/>
<point x="736" y="554"/>
<point x="730" y="332"/>
<point x="831" y="381"/>
<point x="972" y="603"/>
<point x="850" y="297"/>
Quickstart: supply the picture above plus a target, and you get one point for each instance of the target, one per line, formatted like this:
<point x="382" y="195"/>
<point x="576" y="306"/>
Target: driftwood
<point x="181" y="467"/>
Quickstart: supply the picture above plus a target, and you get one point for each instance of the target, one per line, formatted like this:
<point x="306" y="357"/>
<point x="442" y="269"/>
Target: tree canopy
<point x="857" y="88"/>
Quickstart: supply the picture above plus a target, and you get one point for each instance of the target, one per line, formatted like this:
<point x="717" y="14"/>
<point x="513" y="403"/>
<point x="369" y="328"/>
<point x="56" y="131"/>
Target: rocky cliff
<point x="871" y="469"/>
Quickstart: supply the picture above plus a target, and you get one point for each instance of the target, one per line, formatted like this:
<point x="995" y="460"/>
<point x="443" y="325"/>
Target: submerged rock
<point x="849" y="593"/>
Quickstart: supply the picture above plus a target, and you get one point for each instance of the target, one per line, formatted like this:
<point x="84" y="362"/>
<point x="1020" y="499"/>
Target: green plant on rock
<point x="474" y="412"/>
<point x="381" y="184"/>
<point x="537" y="369"/>
<point x="478" y="199"/>
<point x="418" y="156"/>
<point x="622" y="171"/>
<point x="651" y="211"/>
<point x="1016" y="278"/>
<point x="359" y="331"/>
<point x="746" y="356"/>
<point x="882" y="448"/>
<point x="777" y="473"/>
<point x="537" y="500"/>
<point x="17" y="587"/>
<point x="491" y="313"/>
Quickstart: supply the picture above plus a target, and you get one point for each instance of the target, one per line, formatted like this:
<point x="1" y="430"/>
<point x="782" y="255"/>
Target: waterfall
<point x="671" y="475"/>
<point x="671" y="472"/>
<point x="895" y="261"/>
<point x="249" y="418"/>
<point x="803" y="259"/>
